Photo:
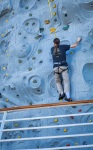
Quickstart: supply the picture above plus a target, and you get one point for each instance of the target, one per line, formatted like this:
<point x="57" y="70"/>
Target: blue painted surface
<point x="26" y="72"/>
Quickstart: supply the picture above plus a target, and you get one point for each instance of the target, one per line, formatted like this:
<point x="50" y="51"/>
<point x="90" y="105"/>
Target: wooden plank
<point x="80" y="102"/>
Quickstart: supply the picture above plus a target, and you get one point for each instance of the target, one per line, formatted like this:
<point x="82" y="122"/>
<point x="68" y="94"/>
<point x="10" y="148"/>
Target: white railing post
<point x="2" y="124"/>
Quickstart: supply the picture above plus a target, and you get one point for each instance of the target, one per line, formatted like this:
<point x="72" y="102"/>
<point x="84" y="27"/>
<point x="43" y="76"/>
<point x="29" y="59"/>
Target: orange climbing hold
<point x="52" y="30"/>
<point x="47" y="21"/>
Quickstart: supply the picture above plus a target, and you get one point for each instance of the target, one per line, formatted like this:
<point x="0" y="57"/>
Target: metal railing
<point x="43" y="106"/>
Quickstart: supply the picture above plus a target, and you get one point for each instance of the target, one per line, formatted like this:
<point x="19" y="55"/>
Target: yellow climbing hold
<point x="52" y="30"/>
<point x="7" y="54"/>
<point x="54" y="6"/>
<point x="6" y="50"/>
<point x="7" y="74"/>
<point x="6" y="20"/>
<point x="16" y="125"/>
<point x="54" y="13"/>
<point x="55" y="120"/>
<point x="4" y="68"/>
<point x="7" y="100"/>
<point x="51" y="0"/>
<point x="19" y="137"/>
<point x="65" y="130"/>
<point x="76" y="143"/>
<point x="2" y="35"/>
<point x="90" y="120"/>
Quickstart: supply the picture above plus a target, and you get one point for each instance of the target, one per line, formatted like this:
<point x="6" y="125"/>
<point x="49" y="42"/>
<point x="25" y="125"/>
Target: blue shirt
<point x="59" y="58"/>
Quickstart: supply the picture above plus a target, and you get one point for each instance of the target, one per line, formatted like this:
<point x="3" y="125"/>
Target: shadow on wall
<point x="88" y="73"/>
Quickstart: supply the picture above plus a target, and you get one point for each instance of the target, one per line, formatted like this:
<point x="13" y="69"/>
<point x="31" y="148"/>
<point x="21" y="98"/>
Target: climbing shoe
<point x="61" y="96"/>
<point x="68" y="99"/>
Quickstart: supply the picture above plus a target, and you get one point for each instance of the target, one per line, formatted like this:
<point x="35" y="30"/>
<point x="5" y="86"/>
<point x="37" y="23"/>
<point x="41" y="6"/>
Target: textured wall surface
<point x="27" y="30"/>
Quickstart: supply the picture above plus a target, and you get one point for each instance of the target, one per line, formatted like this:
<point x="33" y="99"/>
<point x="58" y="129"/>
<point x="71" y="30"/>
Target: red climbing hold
<point x="72" y="117"/>
<point x="67" y="144"/>
<point x="80" y="110"/>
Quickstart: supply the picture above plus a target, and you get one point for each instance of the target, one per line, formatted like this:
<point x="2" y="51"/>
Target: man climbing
<point x="61" y="67"/>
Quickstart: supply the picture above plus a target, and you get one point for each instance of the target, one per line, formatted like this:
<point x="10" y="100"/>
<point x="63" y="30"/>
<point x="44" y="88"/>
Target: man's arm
<point x="75" y="44"/>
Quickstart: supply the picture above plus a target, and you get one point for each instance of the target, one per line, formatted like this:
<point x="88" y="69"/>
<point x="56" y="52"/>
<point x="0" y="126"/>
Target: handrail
<point x="80" y="102"/>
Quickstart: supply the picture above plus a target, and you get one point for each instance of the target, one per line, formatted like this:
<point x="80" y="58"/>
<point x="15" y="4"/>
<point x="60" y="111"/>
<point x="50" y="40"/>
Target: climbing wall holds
<point x="16" y="125"/>
<point x="4" y="68"/>
<point x="54" y="6"/>
<point x="6" y="20"/>
<point x="67" y="144"/>
<point x="33" y="58"/>
<point x="7" y="54"/>
<point x="90" y="120"/>
<point x="19" y="137"/>
<point x="6" y="100"/>
<point x="84" y="143"/>
<point x="39" y="51"/>
<point x="27" y="23"/>
<point x="47" y="21"/>
<point x="30" y="103"/>
<point x="7" y="74"/>
<point x="52" y="30"/>
<point x="66" y="27"/>
<point x="38" y="36"/>
<point x="26" y="7"/>
<point x="76" y="143"/>
<point x="54" y="13"/>
<point x="51" y="0"/>
<point x="30" y="14"/>
<point x="71" y="52"/>
<point x="30" y="69"/>
<point x="80" y="110"/>
<point x="55" y="120"/>
<point x="41" y="61"/>
<point x="72" y="117"/>
<point x="20" y="61"/>
<point x="2" y="35"/>
<point x="41" y="29"/>
<point x="65" y="130"/>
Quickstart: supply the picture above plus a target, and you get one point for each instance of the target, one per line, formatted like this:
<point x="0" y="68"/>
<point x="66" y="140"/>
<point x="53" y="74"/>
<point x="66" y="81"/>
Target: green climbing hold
<point x="30" y="103"/>
<point x="12" y="27"/>
<point x="26" y="7"/>
<point x="30" y="14"/>
<point x="66" y="27"/>
<point x="33" y="58"/>
<point x="19" y="33"/>
<point x="29" y="69"/>
<point x="20" y="61"/>
<point x="33" y="23"/>
<point x="16" y="125"/>
<point x="41" y="29"/>
<point x="27" y="23"/>
<point x="39" y="51"/>
<point x="71" y="52"/>
<point x="34" y="81"/>
<point x="41" y="62"/>
<point x="38" y="36"/>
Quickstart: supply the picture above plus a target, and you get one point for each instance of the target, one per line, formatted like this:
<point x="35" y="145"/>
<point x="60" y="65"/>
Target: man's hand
<point x="77" y="42"/>
<point x="79" y="39"/>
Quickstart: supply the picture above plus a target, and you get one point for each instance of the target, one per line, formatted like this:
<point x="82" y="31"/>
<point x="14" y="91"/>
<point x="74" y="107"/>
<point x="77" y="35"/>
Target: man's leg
<point x="66" y="83"/>
<point x="58" y="82"/>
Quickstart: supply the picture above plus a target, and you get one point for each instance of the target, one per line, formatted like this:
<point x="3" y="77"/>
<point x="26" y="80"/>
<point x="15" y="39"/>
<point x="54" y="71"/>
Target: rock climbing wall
<point x="27" y="30"/>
